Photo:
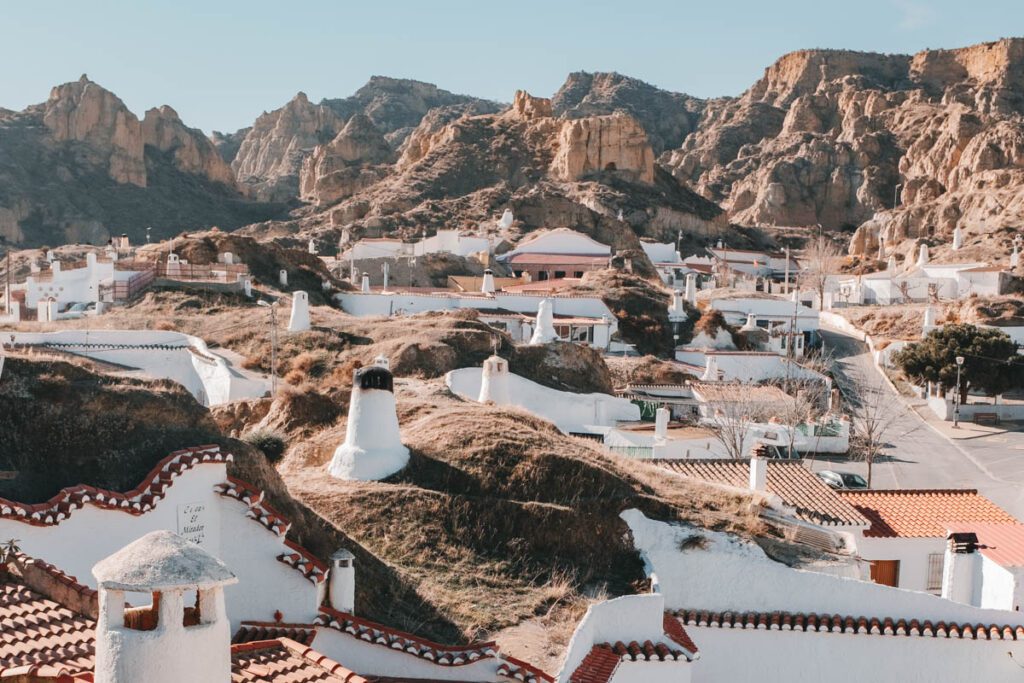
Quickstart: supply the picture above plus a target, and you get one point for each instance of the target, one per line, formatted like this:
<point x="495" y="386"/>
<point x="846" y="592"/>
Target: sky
<point x="221" y="63"/>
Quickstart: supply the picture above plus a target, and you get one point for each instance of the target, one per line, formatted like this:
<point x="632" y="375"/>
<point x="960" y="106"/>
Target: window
<point x="935" y="563"/>
<point x="559" y="274"/>
<point x="577" y="273"/>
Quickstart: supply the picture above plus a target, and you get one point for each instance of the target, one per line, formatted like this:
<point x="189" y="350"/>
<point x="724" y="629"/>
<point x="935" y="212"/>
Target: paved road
<point x="919" y="453"/>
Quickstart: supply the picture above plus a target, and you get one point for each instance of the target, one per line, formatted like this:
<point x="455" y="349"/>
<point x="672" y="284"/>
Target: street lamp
<point x="956" y="396"/>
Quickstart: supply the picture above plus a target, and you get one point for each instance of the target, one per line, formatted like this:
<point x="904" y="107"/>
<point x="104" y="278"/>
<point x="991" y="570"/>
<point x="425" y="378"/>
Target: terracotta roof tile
<point x="285" y="661"/>
<point x="835" y="623"/>
<point x="139" y="500"/>
<point x="597" y="667"/>
<point x="371" y="632"/>
<point x="922" y="513"/>
<point x="38" y="632"/>
<point x="798" y="488"/>
<point x="250" y="631"/>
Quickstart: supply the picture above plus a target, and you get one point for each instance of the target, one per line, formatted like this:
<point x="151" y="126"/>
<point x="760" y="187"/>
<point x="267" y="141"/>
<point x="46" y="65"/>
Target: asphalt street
<point x="923" y="452"/>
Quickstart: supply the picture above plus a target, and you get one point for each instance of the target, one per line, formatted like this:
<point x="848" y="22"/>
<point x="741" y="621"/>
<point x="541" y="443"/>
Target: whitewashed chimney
<point x="373" y="447"/>
<point x="365" y="285"/>
<point x="544" y="330"/>
<point x="342" y="581"/>
<point x="960" y="563"/>
<point x="282" y="277"/>
<point x="488" y="284"/>
<point x="299" y="320"/>
<point x="227" y="258"/>
<point x="751" y="324"/>
<point x="758" y="473"/>
<point x="506" y="219"/>
<point x="677" y="310"/>
<point x="661" y="416"/>
<point x="891" y="266"/>
<point x="922" y="255"/>
<point x="691" y="289"/>
<point x="247" y="286"/>
<point x="312" y="246"/>
<point x="958" y="238"/>
<point x="382" y="361"/>
<point x="494" y="381"/>
<point x="710" y="369"/>
<point x="187" y="643"/>
<point x="929" y="319"/>
<point x="1015" y="256"/>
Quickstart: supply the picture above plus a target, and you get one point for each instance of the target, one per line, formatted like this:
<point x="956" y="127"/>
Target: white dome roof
<point x="158" y="561"/>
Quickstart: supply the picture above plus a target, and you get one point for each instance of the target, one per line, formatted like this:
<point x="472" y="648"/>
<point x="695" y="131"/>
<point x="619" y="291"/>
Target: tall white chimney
<point x="341" y="589"/>
<point x="299" y="320"/>
<point x="677" y="309"/>
<point x="365" y="288"/>
<point x="661" y="416"/>
<point x="922" y="255"/>
<point x="758" y="473"/>
<point x="282" y="277"/>
<point x="544" y="330"/>
<point x="494" y="381"/>
<point x="373" y="444"/>
<point x="488" y="284"/>
<point x="691" y="289"/>
<point x="960" y="565"/>
<point x="958" y="238"/>
<point x="711" y="369"/>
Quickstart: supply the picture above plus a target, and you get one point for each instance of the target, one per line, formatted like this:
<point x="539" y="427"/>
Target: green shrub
<point x="269" y="442"/>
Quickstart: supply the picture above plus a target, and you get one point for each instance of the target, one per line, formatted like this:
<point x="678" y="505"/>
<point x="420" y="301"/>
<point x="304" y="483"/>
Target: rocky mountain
<point x="81" y="166"/>
<point x="838" y="138"/>
<point x="269" y="159"/>
<point x="667" y="117"/>
<point x="460" y="168"/>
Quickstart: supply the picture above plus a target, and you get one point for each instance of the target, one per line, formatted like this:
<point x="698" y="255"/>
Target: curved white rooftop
<point x="161" y="560"/>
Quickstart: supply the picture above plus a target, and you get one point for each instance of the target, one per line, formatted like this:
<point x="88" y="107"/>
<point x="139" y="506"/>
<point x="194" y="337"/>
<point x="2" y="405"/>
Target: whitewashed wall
<point x="729" y="654"/>
<point x="90" y="534"/>
<point x="735" y="575"/>
<point x="208" y="377"/>
<point x="767" y="309"/>
<point x="911" y="552"/>
<point x="570" y="412"/>
<point x="371" y="659"/>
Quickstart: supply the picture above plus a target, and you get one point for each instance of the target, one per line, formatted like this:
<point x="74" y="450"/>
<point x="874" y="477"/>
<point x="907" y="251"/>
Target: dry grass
<point x="500" y="518"/>
<point x="646" y="370"/>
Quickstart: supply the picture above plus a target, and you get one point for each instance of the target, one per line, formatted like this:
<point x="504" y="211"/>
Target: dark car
<point x="842" y="480"/>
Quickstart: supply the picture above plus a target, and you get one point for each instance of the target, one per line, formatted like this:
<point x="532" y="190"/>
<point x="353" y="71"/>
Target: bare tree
<point x="732" y="412"/>
<point x="873" y="412"/>
<point x="805" y="402"/>
<point x="820" y="260"/>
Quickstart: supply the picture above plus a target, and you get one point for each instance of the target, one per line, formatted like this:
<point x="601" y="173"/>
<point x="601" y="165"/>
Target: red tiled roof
<point x="142" y="498"/>
<point x="285" y="661"/>
<point x="521" y="671"/>
<point x="1001" y="543"/>
<point x="41" y="636"/>
<point x="445" y="655"/>
<point x="834" y="623"/>
<point x="646" y="651"/>
<point x="917" y="513"/>
<point x="675" y="631"/>
<point x="539" y="259"/>
<point x="798" y="488"/>
<point x="597" y="667"/>
<point x="250" y="631"/>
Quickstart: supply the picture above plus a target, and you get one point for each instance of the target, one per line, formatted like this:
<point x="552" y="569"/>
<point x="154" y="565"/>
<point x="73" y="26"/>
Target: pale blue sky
<point x="220" y="63"/>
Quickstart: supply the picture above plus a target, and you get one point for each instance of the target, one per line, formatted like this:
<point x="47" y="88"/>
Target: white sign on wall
<point x="192" y="522"/>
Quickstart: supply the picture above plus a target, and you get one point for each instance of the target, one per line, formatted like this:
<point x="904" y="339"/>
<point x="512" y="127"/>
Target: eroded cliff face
<point x="270" y="157"/>
<point x="83" y="112"/>
<point x="616" y="144"/>
<point x="191" y="151"/>
<point x="836" y="137"/>
<point x="346" y="164"/>
<point x="81" y="166"/>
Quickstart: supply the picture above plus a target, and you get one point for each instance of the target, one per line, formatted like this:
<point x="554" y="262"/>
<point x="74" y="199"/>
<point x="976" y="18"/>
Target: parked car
<point x="842" y="480"/>
<point x="78" y="310"/>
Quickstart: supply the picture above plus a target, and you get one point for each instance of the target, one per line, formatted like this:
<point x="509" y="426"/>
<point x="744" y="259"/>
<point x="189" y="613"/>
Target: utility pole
<point x="786" y="290"/>
<point x="273" y="345"/>
<point x="7" y="290"/>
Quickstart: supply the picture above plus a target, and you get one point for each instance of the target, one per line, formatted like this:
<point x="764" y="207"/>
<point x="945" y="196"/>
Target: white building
<point x="757" y="619"/>
<point x="748" y="367"/>
<point x="190" y="493"/>
<point x="92" y="281"/>
<point x="906" y="541"/>
<point x="984" y="565"/>
<point x="445" y="241"/>
<point x="922" y="283"/>
<point x="571" y="413"/>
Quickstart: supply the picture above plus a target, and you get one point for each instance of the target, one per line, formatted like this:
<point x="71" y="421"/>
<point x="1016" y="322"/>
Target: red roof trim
<point x="299" y="650"/>
<point x="834" y="623"/>
<point x="372" y="632"/>
<point x="137" y="501"/>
